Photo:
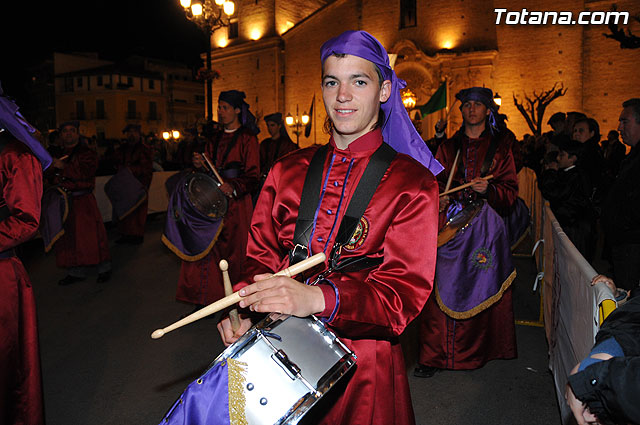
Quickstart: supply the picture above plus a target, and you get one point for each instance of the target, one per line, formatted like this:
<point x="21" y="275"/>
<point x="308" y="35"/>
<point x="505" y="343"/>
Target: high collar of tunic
<point x="364" y="145"/>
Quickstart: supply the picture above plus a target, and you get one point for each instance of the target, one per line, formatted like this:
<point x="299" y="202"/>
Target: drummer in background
<point x="368" y="308"/>
<point x="135" y="154"/>
<point x="84" y="243"/>
<point x="234" y="151"/>
<point x="276" y="146"/>
<point x="447" y="343"/>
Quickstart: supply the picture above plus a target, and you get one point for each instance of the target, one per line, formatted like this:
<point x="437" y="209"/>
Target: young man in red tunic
<point x="368" y="308"/>
<point x="235" y="154"/>
<point x="22" y="160"/>
<point x="446" y="342"/>
<point x="84" y="243"/>
<point x="136" y="155"/>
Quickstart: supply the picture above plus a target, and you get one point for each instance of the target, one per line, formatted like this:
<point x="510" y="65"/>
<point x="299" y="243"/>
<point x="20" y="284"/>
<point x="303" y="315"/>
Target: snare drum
<point x="203" y="193"/>
<point x="458" y="222"/>
<point x="291" y="363"/>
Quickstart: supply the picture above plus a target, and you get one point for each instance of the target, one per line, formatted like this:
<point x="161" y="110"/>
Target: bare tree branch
<point x="627" y="40"/>
<point x="533" y="108"/>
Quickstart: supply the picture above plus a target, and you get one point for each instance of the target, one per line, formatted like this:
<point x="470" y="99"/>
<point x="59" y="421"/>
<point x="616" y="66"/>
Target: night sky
<point x="32" y="31"/>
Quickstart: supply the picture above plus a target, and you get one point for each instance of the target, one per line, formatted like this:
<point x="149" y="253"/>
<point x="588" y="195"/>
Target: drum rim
<point x="187" y="183"/>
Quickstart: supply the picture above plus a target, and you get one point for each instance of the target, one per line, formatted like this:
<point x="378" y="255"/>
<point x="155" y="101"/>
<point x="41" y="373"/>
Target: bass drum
<point x="205" y="195"/>
<point x="459" y="222"/>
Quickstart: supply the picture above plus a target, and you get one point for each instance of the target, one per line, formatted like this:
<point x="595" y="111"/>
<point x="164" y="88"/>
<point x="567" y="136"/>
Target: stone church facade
<point x="275" y="56"/>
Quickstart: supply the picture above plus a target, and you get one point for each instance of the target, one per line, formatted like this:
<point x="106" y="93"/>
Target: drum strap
<point x="233" y="142"/>
<point x="488" y="158"/>
<point x="377" y="166"/>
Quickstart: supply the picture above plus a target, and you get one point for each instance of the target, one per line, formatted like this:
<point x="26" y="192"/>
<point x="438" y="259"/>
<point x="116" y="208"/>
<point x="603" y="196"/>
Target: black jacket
<point x="621" y="210"/>
<point x="611" y="388"/>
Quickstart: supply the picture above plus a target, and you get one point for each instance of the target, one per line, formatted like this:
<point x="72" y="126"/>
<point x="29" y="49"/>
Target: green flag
<point x="438" y="101"/>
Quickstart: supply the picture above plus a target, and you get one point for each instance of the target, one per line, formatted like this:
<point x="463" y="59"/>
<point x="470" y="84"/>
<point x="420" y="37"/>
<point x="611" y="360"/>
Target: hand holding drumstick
<point x="236" y="297"/>
<point x="268" y="294"/>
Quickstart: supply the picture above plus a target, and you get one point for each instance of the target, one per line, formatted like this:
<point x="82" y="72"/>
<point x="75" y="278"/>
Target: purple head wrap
<point x="16" y="124"/>
<point x="236" y="98"/>
<point x="482" y="95"/>
<point x="398" y="130"/>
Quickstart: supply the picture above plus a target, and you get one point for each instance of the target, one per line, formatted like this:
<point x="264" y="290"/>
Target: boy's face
<point x="565" y="160"/>
<point x="227" y="114"/>
<point x="352" y="95"/>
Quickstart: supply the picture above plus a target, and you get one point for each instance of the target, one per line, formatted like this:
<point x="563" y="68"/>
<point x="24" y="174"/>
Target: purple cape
<point x="53" y="214"/>
<point x="474" y="268"/>
<point x="398" y="130"/>
<point x="125" y="192"/>
<point x="188" y="232"/>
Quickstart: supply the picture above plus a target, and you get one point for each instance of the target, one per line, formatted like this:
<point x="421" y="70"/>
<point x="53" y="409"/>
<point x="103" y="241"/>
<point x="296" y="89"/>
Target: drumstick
<point x="63" y="157"/>
<point x="452" y="172"/>
<point x="204" y="155"/>
<point x="233" y="314"/>
<point x="464" y="186"/>
<point x="235" y="297"/>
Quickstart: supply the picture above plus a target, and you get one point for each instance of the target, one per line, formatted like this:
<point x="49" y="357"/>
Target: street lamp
<point x="296" y="123"/>
<point x="408" y="99"/>
<point x="497" y="99"/>
<point x="209" y="15"/>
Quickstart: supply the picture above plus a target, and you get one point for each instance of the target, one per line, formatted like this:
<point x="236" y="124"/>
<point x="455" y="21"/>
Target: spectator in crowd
<point x="572" y="117"/>
<point x="587" y="132"/>
<point x="621" y="210"/>
<point x="604" y="387"/>
<point x="84" y="243"/>
<point x="567" y="188"/>
<point x="613" y="152"/>
<point x="558" y="124"/>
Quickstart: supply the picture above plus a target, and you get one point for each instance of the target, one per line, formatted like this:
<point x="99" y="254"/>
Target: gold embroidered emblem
<point x="359" y="236"/>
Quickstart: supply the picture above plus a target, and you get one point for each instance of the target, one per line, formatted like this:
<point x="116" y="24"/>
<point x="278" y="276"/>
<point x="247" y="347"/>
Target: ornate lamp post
<point x="408" y="99"/>
<point x="296" y="123"/>
<point x="497" y="99"/>
<point x="209" y="15"/>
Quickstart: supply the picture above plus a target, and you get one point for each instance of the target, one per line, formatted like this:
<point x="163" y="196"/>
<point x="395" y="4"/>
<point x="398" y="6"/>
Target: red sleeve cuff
<point x="329" y="294"/>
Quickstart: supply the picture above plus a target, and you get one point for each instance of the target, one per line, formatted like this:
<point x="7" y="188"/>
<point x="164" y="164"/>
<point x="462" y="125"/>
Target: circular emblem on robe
<point x="482" y="259"/>
<point x="359" y="236"/>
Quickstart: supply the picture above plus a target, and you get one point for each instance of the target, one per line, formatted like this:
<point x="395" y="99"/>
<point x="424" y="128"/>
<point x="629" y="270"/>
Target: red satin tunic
<point x="447" y="343"/>
<point x="503" y="187"/>
<point x="138" y="157"/>
<point x="85" y="241"/>
<point x="20" y="382"/>
<point x="370" y="308"/>
<point x="201" y="281"/>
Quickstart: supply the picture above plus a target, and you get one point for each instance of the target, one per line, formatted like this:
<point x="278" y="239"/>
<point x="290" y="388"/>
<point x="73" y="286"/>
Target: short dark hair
<point x="592" y="124"/>
<point x="633" y="103"/>
<point x="571" y="147"/>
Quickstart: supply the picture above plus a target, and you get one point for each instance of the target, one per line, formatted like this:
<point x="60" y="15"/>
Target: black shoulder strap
<point x="488" y="158"/>
<point x="308" y="204"/>
<point x="230" y="146"/>
<point x="377" y="166"/>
